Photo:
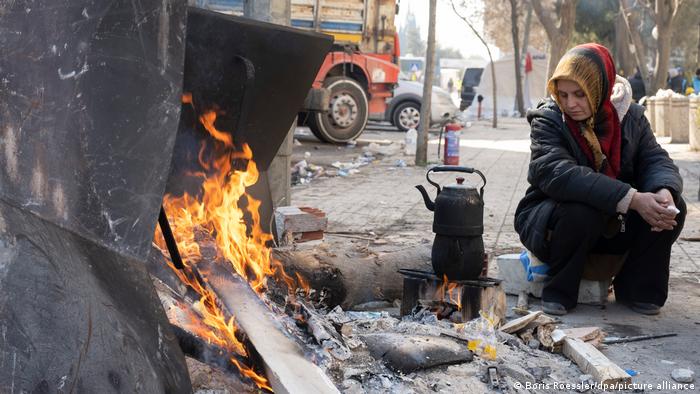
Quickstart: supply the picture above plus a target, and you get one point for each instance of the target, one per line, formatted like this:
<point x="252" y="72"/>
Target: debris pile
<point x="304" y="171"/>
<point x="376" y="351"/>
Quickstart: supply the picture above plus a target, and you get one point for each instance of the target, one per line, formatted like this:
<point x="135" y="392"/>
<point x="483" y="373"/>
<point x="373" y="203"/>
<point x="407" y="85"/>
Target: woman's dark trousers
<point x="577" y="230"/>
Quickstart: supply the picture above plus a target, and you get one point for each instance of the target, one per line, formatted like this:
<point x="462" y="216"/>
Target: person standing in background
<point x="676" y="82"/>
<point x="637" y="84"/>
<point x="696" y="81"/>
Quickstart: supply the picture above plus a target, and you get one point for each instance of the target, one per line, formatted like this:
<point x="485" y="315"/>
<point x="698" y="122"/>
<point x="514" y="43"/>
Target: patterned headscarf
<point x="591" y="66"/>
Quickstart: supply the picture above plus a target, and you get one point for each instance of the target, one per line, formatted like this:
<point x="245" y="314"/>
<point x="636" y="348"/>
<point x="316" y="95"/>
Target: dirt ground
<point x="376" y="206"/>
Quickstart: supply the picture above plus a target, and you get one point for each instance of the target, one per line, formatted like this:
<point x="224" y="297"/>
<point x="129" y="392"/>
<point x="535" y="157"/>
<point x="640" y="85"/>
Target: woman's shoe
<point x="553" y="308"/>
<point x="645" y="308"/>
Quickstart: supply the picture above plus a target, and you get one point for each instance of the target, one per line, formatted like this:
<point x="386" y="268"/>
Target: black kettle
<point x="458" y="224"/>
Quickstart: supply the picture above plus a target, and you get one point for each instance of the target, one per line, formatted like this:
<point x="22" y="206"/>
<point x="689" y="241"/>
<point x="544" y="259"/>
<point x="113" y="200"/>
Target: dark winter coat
<point x="638" y="90"/>
<point x="559" y="171"/>
<point x="677" y="84"/>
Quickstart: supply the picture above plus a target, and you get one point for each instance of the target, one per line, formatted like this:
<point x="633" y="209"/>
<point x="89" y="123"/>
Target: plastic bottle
<point x="411" y="142"/>
<point x="481" y="335"/>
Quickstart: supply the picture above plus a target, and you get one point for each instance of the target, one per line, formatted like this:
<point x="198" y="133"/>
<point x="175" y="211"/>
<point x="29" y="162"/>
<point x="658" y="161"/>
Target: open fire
<point x="226" y="171"/>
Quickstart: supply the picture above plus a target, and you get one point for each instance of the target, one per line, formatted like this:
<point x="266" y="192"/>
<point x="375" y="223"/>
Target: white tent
<point x="533" y="85"/>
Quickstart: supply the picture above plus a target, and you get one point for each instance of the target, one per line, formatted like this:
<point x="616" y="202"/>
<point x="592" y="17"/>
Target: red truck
<point x="359" y="73"/>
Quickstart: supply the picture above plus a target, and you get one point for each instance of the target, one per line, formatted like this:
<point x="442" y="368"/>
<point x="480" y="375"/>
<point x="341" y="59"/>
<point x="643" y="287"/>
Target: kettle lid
<point x="459" y="185"/>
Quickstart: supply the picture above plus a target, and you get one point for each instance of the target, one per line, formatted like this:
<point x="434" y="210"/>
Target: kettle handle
<point x="468" y="170"/>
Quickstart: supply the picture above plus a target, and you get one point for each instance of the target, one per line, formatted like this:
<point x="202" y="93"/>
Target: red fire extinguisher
<point x="451" y="156"/>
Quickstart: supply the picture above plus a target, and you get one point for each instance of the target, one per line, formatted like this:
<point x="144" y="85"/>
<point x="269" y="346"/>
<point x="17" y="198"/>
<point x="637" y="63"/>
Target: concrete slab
<point x="511" y="270"/>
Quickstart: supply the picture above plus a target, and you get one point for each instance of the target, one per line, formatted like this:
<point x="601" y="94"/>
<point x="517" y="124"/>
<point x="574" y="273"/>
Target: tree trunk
<point x="558" y="28"/>
<point x="623" y="55"/>
<point x="516" y="57"/>
<point x="663" y="52"/>
<point x="632" y="21"/>
<point x="557" y="49"/>
<point x="494" y="90"/>
<point x="526" y="34"/>
<point x="350" y="281"/>
<point x="664" y="14"/>
<point x="697" y="55"/>
<point x="422" y="145"/>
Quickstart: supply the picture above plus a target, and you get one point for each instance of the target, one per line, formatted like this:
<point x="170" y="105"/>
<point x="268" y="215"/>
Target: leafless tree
<point x="516" y="56"/>
<point x="622" y="53"/>
<point x="664" y="13"/>
<point x="497" y="28"/>
<point x="558" y="25"/>
<point x="422" y="143"/>
<point x="488" y="50"/>
<point x="632" y="23"/>
<point x="697" y="55"/>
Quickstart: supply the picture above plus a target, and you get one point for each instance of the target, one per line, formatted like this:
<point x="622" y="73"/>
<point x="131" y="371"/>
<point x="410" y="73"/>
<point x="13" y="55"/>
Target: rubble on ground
<point x="378" y="351"/>
<point x="304" y="171"/>
<point x="682" y="375"/>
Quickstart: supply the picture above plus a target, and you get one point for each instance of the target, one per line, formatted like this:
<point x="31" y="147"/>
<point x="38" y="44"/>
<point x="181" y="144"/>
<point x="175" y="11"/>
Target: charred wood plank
<point x="287" y="370"/>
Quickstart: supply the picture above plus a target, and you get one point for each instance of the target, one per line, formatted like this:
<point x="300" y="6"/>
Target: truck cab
<point x="359" y="74"/>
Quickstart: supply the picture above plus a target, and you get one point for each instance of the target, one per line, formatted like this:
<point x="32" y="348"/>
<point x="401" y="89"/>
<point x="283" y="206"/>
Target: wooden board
<point x="593" y="362"/>
<point x="583" y="333"/>
<point x="287" y="370"/>
<point x="520" y="323"/>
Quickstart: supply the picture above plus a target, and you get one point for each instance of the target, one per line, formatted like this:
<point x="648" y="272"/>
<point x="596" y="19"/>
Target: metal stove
<point x="463" y="297"/>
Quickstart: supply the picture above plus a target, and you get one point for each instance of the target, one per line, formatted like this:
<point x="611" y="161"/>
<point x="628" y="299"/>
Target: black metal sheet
<point x="89" y="106"/>
<point x="77" y="317"/>
<point x="255" y="74"/>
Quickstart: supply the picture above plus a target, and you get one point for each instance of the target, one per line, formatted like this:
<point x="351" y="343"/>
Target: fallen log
<point x="348" y="279"/>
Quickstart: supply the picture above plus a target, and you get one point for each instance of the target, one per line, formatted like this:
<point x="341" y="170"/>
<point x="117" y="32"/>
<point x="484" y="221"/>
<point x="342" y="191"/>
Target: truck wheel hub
<point x="343" y="110"/>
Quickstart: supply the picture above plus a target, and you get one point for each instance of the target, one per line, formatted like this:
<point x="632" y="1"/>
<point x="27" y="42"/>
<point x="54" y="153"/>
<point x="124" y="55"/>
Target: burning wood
<point x="230" y="267"/>
<point x="226" y="171"/>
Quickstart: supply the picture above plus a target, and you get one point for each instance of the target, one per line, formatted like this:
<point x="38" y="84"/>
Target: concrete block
<point x="511" y="270"/>
<point x="663" y="116"/>
<point x="693" y="120"/>
<point x="679" y="120"/>
<point x="650" y="112"/>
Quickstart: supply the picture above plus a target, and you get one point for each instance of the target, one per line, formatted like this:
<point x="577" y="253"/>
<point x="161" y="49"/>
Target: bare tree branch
<point x="631" y="24"/>
<point x="493" y="68"/>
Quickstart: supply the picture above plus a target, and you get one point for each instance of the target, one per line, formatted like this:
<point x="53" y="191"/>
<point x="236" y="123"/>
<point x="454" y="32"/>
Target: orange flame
<point x="259" y="380"/>
<point x="216" y="215"/>
<point x="303" y="284"/>
<point x="454" y="292"/>
<point x="449" y="292"/>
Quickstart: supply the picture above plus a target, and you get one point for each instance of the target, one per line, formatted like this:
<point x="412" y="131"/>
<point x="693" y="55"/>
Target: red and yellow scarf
<point x="600" y="137"/>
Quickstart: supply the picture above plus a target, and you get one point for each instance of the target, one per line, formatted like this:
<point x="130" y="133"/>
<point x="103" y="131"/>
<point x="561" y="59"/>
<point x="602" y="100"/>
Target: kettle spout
<point x="428" y="203"/>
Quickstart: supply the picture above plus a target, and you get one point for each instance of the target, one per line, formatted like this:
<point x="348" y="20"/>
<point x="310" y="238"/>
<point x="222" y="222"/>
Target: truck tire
<point x="347" y="115"/>
<point x="406" y="116"/>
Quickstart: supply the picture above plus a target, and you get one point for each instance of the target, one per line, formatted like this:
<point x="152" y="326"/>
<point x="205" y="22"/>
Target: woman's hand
<point x="654" y="209"/>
